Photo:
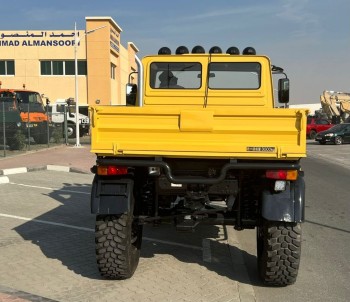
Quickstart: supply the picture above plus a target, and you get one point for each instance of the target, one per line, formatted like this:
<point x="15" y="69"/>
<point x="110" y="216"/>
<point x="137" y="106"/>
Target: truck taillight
<point x="282" y="174"/>
<point x="111" y="170"/>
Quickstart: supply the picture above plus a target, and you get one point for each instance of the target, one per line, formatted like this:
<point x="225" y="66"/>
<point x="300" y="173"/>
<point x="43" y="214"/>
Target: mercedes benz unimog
<point x="200" y="140"/>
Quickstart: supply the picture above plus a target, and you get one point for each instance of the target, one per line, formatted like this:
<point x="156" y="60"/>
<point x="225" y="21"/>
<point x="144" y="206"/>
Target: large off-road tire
<point x="118" y="242"/>
<point x="278" y="251"/>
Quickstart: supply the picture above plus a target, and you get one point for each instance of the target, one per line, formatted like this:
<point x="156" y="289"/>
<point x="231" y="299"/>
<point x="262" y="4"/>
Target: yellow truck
<point x="200" y="140"/>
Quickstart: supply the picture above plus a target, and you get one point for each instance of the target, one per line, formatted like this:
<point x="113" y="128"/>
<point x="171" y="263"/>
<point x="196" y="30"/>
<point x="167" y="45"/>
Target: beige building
<point x="44" y="61"/>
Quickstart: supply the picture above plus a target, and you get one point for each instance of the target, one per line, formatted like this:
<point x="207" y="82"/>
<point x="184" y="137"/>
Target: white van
<point x="62" y="106"/>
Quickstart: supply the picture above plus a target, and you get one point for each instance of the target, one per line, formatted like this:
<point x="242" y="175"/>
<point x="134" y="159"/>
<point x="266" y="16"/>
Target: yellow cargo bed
<point x="217" y="132"/>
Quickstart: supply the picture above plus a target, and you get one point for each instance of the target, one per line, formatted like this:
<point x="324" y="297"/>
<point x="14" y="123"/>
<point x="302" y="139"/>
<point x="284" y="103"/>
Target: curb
<point x="19" y="170"/>
<point x="14" y="171"/>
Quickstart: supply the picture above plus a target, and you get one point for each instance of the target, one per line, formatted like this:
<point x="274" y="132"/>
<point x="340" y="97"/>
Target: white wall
<point x="311" y="107"/>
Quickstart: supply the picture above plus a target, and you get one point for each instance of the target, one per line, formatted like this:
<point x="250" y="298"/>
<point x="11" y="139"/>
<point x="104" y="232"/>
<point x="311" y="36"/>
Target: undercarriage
<point x="244" y="194"/>
<point x="191" y="204"/>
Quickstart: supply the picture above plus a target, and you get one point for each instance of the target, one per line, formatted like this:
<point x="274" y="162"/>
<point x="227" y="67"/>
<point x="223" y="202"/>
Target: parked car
<point x="337" y="135"/>
<point x="316" y="125"/>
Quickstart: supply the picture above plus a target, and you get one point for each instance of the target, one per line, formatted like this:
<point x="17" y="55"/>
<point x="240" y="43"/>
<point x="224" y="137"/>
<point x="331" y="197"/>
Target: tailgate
<point x="205" y="132"/>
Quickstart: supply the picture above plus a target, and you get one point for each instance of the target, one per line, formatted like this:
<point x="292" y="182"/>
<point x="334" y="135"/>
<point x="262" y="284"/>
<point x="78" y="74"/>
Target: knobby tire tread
<point x="117" y="256"/>
<point x="279" y="257"/>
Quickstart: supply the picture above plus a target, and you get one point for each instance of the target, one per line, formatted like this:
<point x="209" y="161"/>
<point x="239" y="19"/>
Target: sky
<point x="310" y="39"/>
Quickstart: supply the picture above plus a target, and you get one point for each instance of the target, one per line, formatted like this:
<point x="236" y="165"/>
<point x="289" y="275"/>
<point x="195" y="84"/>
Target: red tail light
<point x="282" y="174"/>
<point x="112" y="170"/>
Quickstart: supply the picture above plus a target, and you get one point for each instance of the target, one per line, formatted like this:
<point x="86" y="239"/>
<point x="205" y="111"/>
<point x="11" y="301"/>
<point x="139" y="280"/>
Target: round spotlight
<point x="232" y="51"/>
<point x="198" y="49"/>
<point x="249" y="51"/>
<point x="181" y="50"/>
<point x="164" y="51"/>
<point x="215" y="49"/>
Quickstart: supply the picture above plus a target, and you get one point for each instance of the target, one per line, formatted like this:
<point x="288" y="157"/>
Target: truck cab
<point x="29" y="105"/>
<point x="63" y="111"/>
<point x="199" y="80"/>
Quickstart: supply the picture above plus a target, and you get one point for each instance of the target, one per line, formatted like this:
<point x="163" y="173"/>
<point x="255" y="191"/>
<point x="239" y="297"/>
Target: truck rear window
<point x="236" y="75"/>
<point x="167" y="75"/>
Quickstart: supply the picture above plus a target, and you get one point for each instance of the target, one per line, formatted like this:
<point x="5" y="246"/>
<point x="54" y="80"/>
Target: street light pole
<point x="77" y="132"/>
<point x="76" y="42"/>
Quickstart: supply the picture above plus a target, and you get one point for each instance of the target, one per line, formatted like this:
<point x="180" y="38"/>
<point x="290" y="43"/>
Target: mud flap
<point x="111" y="196"/>
<point x="288" y="206"/>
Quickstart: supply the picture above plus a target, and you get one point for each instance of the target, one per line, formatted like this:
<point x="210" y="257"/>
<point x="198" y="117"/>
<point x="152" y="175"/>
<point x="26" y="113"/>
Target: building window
<point x="7" y="67"/>
<point x="70" y="68"/>
<point x="57" y="67"/>
<point x="82" y="68"/>
<point x="113" y="68"/>
<point x="45" y="67"/>
<point x="62" y="67"/>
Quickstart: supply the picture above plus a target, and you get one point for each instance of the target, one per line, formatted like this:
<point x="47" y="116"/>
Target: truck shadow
<point x="66" y="233"/>
<point x="217" y="255"/>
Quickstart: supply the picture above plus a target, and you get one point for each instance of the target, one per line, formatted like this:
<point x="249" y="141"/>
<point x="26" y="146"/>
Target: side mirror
<point x="131" y="92"/>
<point x="128" y="88"/>
<point x="283" y="90"/>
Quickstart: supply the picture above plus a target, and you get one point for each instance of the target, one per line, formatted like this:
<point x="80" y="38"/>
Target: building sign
<point x="42" y="38"/>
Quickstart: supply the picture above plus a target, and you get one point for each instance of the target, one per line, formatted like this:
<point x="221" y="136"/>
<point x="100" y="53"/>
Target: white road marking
<point x="51" y="189"/>
<point x="92" y="230"/>
<point x="206" y="242"/>
<point x="47" y="222"/>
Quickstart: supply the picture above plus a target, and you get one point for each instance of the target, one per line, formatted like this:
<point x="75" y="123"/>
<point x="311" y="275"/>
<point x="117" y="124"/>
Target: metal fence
<point x="30" y="128"/>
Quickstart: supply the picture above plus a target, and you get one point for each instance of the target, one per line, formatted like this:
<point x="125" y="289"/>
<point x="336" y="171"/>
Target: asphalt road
<point x="47" y="245"/>
<point x="324" y="272"/>
<point x="47" y="249"/>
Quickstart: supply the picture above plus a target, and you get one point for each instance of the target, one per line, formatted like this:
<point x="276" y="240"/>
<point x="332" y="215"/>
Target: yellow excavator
<point x="336" y="105"/>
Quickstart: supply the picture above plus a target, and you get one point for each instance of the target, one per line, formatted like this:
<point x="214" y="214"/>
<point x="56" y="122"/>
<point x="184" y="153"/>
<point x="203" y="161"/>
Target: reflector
<point x="282" y="174"/>
<point x="111" y="170"/>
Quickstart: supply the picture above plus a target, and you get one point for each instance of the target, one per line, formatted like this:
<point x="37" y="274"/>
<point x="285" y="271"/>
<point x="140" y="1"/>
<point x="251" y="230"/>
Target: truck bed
<point x="226" y="132"/>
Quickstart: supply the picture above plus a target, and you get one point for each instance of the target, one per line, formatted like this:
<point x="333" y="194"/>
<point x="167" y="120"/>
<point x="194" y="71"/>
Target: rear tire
<point x="312" y="134"/>
<point x="118" y="242"/>
<point x="278" y="251"/>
